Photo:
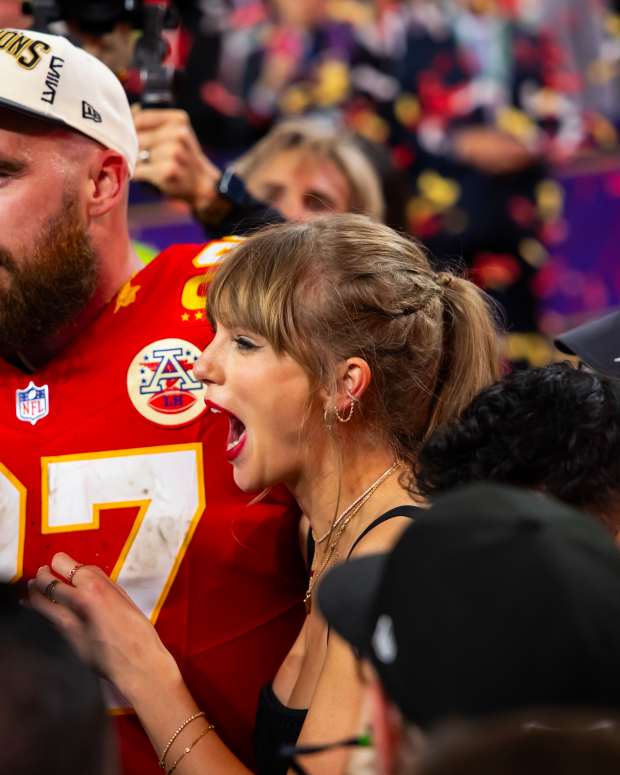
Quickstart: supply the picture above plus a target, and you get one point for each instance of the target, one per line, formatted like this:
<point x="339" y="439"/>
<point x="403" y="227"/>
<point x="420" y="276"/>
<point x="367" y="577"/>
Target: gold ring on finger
<point x="49" y="590"/>
<point x="73" y="571"/>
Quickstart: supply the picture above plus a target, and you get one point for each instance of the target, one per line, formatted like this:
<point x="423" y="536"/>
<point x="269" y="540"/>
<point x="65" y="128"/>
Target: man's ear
<point x="107" y="182"/>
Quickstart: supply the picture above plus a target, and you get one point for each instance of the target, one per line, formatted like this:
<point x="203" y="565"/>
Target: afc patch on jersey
<point x="32" y="403"/>
<point x="161" y="383"/>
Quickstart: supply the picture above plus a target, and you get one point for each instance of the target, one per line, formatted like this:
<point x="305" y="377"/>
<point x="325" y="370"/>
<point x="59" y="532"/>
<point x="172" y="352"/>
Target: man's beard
<point x="50" y="285"/>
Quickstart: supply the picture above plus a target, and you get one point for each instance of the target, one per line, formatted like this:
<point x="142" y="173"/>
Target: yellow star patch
<point x="126" y="295"/>
<point x="198" y="315"/>
<point x="184" y="317"/>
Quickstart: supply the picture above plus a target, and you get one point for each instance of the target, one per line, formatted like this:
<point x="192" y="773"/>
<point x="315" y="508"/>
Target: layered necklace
<point x="338" y="526"/>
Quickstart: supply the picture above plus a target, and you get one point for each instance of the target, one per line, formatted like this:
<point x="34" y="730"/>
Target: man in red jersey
<point x="106" y="449"/>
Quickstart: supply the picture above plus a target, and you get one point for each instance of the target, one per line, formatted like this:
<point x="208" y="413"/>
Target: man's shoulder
<point x="192" y="257"/>
<point x="177" y="279"/>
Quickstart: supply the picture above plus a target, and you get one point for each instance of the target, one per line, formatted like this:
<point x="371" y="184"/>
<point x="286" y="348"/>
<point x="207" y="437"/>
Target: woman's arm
<point x="113" y="634"/>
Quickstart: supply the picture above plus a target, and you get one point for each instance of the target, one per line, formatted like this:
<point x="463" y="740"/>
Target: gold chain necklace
<point x="341" y="524"/>
<point x="350" y="508"/>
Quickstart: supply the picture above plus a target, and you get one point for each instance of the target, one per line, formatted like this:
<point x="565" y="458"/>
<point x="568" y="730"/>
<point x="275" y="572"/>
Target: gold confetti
<point x="533" y="348"/>
<point x="601" y="71"/>
<point x="420" y="209"/>
<point x="357" y="13"/>
<point x="442" y="192"/>
<point x="516" y="123"/>
<point x="407" y="109"/>
<point x="549" y="199"/>
<point x="612" y="24"/>
<point x="604" y="132"/>
<point x="295" y="100"/>
<point x="371" y="126"/>
<point x="533" y="251"/>
<point x="333" y="83"/>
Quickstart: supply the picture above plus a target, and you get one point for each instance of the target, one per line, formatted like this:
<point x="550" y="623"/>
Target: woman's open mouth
<point x="237" y="434"/>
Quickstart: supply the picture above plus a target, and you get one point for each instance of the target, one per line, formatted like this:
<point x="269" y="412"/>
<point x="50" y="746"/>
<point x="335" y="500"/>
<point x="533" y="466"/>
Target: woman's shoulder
<point x="385" y="530"/>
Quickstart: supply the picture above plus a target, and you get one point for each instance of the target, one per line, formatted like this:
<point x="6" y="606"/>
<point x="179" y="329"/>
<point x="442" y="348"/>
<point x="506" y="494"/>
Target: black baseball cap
<point x="495" y="599"/>
<point x="596" y="343"/>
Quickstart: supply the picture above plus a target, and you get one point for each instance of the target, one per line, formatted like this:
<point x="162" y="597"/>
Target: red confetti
<point x="495" y="270"/>
<point x="402" y="156"/>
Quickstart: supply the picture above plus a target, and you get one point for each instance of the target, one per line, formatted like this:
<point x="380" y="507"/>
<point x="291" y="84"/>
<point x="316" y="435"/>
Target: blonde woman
<point x="303" y="168"/>
<point x="336" y="351"/>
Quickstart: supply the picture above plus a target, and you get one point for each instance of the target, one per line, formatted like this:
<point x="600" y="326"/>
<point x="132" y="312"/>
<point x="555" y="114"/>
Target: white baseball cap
<point x="48" y="77"/>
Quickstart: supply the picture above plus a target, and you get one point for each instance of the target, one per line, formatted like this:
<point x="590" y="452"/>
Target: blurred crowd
<point x="463" y="107"/>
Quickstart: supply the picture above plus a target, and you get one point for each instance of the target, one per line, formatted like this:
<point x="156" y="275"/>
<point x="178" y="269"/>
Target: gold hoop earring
<point x="349" y="415"/>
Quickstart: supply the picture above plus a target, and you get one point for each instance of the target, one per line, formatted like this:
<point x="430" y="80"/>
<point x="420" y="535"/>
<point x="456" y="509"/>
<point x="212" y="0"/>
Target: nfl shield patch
<point x="33" y="403"/>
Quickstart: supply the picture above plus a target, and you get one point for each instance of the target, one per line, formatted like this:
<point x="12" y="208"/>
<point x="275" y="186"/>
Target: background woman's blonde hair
<point x="344" y="286"/>
<point x="319" y="139"/>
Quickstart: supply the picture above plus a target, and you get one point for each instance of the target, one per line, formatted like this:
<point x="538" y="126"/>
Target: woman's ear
<point x="107" y="182"/>
<point x="355" y="379"/>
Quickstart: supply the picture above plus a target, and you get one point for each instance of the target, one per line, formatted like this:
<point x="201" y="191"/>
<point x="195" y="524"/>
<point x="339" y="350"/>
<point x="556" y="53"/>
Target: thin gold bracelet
<point x="188" y="748"/>
<point x="193" y="717"/>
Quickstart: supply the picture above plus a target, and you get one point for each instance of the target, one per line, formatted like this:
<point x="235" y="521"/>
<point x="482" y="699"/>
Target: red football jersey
<point x="108" y="453"/>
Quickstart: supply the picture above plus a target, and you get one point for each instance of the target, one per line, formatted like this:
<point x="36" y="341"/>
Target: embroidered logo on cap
<point x="161" y="384"/>
<point x="383" y="640"/>
<point x="53" y="79"/>
<point x="90" y="113"/>
<point x="26" y="51"/>
<point x="32" y="403"/>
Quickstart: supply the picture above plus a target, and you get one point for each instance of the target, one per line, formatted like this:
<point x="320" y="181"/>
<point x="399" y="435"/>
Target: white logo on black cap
<point x="383" y="640"/>
<point x="90" y="113"/>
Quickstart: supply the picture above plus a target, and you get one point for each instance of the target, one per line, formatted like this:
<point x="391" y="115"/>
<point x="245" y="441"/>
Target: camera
<point x="96" y="17"/>
<point x="92" y="23"/>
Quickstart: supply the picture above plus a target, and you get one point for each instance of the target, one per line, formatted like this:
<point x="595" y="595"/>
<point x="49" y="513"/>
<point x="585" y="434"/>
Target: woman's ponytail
<point x="471" y="352"/>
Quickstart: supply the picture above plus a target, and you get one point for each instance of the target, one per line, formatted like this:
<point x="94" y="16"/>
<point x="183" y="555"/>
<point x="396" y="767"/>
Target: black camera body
<point x="99" y="17"/>
<point x="96" y="17"/>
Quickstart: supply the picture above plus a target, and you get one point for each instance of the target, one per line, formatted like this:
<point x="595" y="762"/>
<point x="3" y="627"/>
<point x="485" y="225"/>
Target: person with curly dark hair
<point x="554" y="429"/>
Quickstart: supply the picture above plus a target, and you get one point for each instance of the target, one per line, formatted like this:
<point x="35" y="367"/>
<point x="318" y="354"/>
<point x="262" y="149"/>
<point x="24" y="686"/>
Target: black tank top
<point x="276" y="724"/>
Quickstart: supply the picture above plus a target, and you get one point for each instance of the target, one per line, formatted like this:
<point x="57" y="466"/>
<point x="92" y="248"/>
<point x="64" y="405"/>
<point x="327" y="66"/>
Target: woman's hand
<point x="104" y="625"/>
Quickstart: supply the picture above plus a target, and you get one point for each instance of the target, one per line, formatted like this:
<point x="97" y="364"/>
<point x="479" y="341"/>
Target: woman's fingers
<point x="99" y="618"/>
<point x="51" y="587"/>
<point x="67" y="567"/>
<point x="49" y="582"/>
<point x="39" y="600"/>
<point x="66" y="621"/>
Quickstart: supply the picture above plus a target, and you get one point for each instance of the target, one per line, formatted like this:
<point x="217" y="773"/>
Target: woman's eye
<point x="243" y="343"/>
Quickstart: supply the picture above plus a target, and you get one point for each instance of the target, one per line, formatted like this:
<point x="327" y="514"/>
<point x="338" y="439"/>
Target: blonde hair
<point x="344" y="286"/>
<point x="314" y="137"/>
